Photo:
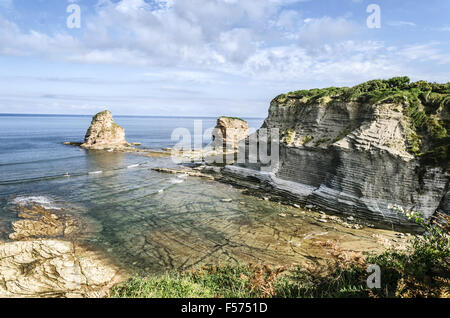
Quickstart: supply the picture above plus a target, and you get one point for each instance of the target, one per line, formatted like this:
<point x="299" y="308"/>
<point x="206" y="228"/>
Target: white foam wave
<point x="43" y="201"/>
<point x="133" y="166"/>
<point x="96" y="172"/>
<point x="176" y="180"/>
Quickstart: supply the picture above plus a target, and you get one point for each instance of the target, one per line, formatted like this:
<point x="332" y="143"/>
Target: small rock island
<point x="231" y="130"/>
<point x="104" y="133"/>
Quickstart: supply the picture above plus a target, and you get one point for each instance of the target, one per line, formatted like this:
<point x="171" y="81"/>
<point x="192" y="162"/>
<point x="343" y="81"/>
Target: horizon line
<point x="88" y="115"/>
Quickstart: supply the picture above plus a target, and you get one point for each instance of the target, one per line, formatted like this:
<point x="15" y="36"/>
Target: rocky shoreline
<point x="256" y="189"/>
<point x="331" y="177"/>
<point x="46" y="258"/>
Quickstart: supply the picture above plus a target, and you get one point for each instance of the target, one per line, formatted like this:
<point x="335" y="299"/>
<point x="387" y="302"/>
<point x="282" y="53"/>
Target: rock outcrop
<point x="38" y="222"/>
<point x="53" y="268"/>
<point x="229" y="131"/>
<point x="362" y="150"/>
<point x="104" y="133"/>
<point x="46" y="260"/>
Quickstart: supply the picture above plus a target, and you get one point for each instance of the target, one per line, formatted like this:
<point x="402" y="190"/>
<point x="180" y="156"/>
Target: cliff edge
<point x="362" y="150"/>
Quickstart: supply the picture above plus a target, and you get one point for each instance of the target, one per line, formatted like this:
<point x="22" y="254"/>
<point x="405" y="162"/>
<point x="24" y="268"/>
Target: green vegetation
<point x="288" y="135"/>
<point x="427" y="105"/>
<point x="172" y="285"/>
<point x="213" y="281"/>
<point x="115" y="129"/>
<point x="100" y="114"/>
<point x="322" y="141"/>
<point x="421" y="270"/>
<point x="307" y="139"/>
<point x="341" y="136"/>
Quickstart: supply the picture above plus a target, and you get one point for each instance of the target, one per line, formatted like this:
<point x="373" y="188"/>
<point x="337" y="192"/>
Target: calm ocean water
<point x="31" y="145"/>
<point x="143" y="220"/>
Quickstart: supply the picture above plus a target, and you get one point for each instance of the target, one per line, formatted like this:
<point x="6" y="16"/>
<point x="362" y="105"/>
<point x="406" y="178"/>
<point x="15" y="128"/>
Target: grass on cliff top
<point x="423" y="270"/>
<point x="427" y="105"/>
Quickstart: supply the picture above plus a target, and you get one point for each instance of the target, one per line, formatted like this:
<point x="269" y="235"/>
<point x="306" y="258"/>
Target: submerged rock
<point x="104" y="133"/>
<point x="185" y="171"/>
<point x="39" y="222"/>
<point x="361" y="150"/>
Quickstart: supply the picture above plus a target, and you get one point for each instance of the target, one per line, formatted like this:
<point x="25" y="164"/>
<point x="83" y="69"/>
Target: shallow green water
<point x="151" y="222"/>
<point x="147" y="221"/>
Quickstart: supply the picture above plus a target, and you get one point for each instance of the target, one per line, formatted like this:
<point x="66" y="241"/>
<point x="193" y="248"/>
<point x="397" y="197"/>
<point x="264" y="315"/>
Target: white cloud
<point x="425" y="52"/>
<point x="257" y="39"/>
<point x="326" y="29"/>
<point x="401" y="23"/>
<point x="15" y="42"/>
<point x="342" y="62"/>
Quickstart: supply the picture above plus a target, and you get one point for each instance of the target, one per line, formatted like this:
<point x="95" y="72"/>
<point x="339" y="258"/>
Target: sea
<point x="145" y="221"/>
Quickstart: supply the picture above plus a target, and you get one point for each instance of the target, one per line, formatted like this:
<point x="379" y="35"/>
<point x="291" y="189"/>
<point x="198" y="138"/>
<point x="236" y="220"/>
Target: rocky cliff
<point x="362" y="150"/>
<point x="104" y="133"/>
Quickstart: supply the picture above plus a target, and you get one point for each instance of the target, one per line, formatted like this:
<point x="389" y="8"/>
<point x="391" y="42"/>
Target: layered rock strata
<point x="361" y="151"/>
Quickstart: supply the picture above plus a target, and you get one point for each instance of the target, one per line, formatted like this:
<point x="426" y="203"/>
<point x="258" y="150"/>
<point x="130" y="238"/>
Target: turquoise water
<point x="143" y="220"/>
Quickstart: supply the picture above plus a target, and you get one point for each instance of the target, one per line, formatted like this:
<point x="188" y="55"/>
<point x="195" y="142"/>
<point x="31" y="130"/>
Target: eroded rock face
<point x="53" y="268"/>
<point x="445" y="204"/>
<point x="230" y="131"/>
<point x="352" y="157"/>
<point x="104" y="133"/>
<point x="46" y="259"/>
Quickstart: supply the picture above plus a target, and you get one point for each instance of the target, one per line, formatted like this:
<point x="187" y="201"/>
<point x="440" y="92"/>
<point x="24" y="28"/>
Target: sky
<point x="208" y="57"/>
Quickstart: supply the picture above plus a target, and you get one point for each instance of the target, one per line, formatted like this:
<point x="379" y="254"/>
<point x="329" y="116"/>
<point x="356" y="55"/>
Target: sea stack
<point x="229" y="131"/>
<point x="104" y="133"/>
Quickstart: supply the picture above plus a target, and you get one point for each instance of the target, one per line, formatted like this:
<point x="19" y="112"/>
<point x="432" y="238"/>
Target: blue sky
<point x="208" y="57"/>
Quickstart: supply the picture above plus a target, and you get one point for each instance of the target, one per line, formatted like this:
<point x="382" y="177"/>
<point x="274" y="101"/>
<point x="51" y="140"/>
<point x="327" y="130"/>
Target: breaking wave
<point x="43" y="201"/>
